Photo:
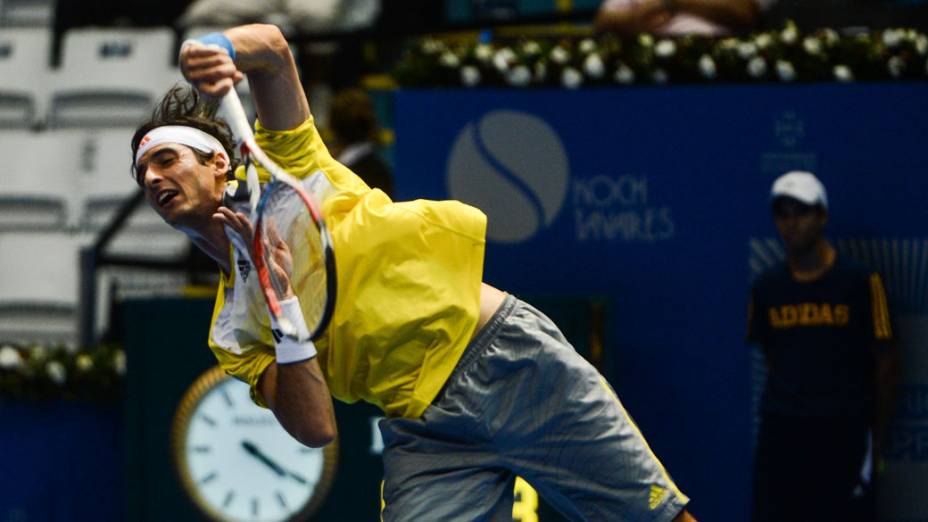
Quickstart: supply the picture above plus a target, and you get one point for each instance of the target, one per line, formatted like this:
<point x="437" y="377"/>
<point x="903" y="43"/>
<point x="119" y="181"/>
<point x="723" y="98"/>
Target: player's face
<point x="800" y="226"/>
<point x="183" y="191"/>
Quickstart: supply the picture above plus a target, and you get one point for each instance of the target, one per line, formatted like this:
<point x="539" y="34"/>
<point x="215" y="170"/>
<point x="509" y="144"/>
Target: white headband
<point x="184" y="135"/>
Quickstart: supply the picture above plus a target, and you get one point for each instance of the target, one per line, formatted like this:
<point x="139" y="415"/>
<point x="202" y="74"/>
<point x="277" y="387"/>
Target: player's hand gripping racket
<point x="292" y="249"/>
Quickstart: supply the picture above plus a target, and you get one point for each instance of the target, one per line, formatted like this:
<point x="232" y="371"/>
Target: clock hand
<point x="296" y="477"/>
<point x="258" y="454"/>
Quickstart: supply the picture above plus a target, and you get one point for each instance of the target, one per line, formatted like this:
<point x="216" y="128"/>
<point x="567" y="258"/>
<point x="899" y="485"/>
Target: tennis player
<point x="477" y="386"/>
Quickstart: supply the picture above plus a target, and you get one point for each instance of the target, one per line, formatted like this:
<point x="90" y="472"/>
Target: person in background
<point x="354" y="126"/>
<point x="678" y="17"/>
<point x="823" y="323"/>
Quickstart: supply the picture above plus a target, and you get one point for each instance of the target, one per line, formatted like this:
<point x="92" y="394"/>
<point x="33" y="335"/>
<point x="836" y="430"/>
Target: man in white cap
<point x="823" y="324"/>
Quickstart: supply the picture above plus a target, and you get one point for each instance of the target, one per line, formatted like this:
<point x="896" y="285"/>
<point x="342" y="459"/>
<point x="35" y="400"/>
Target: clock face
<point x="239" y="464"/>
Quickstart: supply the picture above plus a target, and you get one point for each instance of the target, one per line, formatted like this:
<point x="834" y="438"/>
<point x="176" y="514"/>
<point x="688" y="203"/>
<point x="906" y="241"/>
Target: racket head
<point x="288" y="223"/>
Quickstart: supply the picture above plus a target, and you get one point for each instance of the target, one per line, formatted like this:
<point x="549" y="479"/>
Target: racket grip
<point x="231" y="107"/>
<point x="235" y="116"/>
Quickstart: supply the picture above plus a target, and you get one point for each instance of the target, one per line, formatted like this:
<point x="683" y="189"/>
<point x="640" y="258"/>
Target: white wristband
<point x="291" y="349"/>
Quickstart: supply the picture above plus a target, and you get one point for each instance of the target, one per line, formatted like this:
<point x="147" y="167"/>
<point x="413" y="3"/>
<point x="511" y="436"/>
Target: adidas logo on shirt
<point x="244" y="268"/>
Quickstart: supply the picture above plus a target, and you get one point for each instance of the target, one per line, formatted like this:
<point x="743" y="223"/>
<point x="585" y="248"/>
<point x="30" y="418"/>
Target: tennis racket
<point x="291" y="244"/>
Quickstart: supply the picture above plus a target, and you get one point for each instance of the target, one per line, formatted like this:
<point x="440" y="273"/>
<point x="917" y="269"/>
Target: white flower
<point x="38" y="352"/>
<point x="531" y="48"/>
<point x="785" y="71"/>
<point x="789" y="35"/>
<point x="843" y="73"/>
<point x="559" y="55"/>
<point x="119" y="357"/>
<point x="483" y="52"/>
<point x="10" y="359"/>
<point x="895" y="65"/>
<point x="921" y="44"/>
<point x="665" y="48"/>
<point x="707" y="67"/>
<point x="432" y="46"/>
<point x="645" y="40"/>
<point x="56" y="372"/>
<point x="470" y="75"/>
<point x="812" y="45"/>
<point x="830" y="37"/>
<point x="571" y="78"/>
<point x="892" y="38"/>
<point x="757" y="67"/>
<point x="84" y="363"/>
<point x="747" y="50"/>
<point x="624" y="74"/>
<point x="660" y="76"/>
<point x="449" y="59"/>
<point x="763" y="40"/>
<point x="503" y="58"/>
<point x="519" y="76"/>
<point x="593" y="66"/>
<point x="587" y="45"/>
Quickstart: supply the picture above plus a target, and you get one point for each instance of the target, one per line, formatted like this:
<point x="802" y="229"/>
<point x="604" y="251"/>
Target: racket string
<point x="286" y="218"/>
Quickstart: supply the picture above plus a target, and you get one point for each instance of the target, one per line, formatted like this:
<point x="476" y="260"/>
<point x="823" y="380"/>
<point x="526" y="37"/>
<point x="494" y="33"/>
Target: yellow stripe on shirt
<point x="679" y="494"/>
<point x="881" y="325"/>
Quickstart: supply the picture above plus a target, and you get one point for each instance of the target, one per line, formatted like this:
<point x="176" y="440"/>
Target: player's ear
<point x="221" y="164"/>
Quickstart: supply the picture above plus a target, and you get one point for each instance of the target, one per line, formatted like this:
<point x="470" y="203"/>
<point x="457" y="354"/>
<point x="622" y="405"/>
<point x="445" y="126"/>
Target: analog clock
<point x="237" y="463"/>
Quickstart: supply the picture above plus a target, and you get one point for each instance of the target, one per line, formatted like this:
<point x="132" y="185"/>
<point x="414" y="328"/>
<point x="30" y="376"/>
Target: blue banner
<point x="656" y="198"/>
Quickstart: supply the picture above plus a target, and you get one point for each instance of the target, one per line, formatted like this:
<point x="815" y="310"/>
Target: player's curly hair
<point x="183" y="105"/>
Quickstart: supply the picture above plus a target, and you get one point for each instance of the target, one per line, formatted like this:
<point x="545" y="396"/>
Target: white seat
<point x="24" y="76"/>
<point x="27" y="13"/>
<point x="111" y="77"/>
<point x="104" y="180"/>
<point x="39" y="287"/>
<point x="38" y="180"/>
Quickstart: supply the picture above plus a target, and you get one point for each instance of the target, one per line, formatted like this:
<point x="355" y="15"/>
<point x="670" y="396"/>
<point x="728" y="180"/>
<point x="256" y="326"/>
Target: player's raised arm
<point x="261" y="52"/>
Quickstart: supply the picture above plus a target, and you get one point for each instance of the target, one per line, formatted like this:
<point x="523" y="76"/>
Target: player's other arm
<point x="299" y="397"/>
<point x="294" y="389"/>
<point x="263" y="55"/>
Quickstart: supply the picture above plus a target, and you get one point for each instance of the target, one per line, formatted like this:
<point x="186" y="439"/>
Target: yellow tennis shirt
<point x="409" y="277"/>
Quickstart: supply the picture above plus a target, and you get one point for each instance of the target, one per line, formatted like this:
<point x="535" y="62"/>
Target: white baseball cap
<point x="801" y="186"/>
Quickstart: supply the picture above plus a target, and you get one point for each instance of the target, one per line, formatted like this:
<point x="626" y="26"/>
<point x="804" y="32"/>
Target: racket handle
<point x="231" y="107"/>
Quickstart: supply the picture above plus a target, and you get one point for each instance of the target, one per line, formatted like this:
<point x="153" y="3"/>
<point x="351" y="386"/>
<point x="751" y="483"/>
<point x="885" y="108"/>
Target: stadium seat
<point x="27" y="13"/>
<point x="111" y="78"/>
<point x="24" y="76"/>
<point x="39" y="290"/>
<point x="37" y="181"/>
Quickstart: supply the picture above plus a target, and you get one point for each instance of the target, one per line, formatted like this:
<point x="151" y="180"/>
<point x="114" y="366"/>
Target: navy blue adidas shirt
<point x="818" y="338"/>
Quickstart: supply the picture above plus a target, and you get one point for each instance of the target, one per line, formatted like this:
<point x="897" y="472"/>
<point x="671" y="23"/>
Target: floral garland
<point x="41" y="372"/>
<point x="785" y="55"/>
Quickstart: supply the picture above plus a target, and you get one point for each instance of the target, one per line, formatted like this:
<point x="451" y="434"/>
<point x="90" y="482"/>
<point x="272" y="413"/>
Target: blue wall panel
<point x="650" y="196"/>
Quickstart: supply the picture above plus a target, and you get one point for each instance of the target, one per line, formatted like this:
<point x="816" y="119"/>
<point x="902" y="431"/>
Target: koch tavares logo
<point x="512" y="165"/>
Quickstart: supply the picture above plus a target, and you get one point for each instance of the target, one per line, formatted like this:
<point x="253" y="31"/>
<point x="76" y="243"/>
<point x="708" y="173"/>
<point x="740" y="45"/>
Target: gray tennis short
<point x="521" y="401"/>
